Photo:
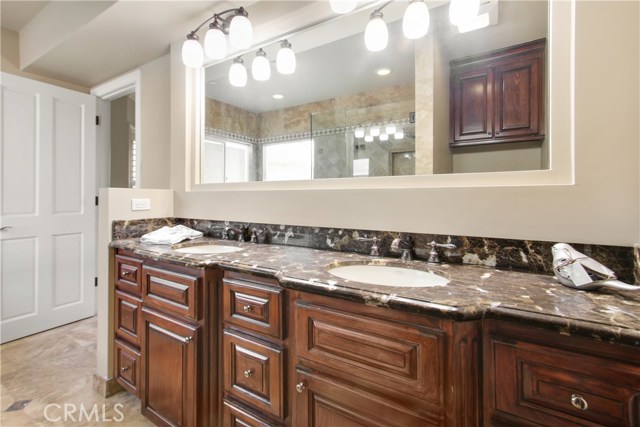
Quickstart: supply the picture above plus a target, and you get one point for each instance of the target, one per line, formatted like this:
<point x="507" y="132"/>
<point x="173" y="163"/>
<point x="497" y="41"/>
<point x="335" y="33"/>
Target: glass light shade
<point x="368" y="138"/>
<point x="399" y="134"/>
<point x="415" y="23"/>
<point x="192" y="55"/>
<point x="463" y="11"/>
<point x="260" y="67"/>
<point x="215" y="43"/>
<point x="342" y="6"/>
<point x="359" y="132"/>
<point x="376" y="35"/>
<point x="390" y="128"/>
<point x="240" y="32"/>
<point x="384" y="137"/>
<point x="480" y="21"/>
<point x="374" y="131"/>
<point x="286" y="59"/>
<point x="238" y="74"/>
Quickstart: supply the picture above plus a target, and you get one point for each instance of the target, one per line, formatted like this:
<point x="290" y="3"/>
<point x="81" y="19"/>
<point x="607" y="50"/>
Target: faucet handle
<point x="433" y="255"/>
<point x="375" y="249"/>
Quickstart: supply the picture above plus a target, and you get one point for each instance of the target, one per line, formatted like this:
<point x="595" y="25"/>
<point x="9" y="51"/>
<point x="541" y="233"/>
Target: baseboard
<point x="105" y="386"/>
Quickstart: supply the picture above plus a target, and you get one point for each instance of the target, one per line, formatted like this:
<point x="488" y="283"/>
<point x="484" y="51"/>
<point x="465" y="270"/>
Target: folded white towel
<point x="170" y="235"/>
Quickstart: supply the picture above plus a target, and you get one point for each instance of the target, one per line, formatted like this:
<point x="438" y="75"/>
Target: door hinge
<point x="97" y="120"/>
<point x="95" y="282"/>
<point x="96" y="200"/>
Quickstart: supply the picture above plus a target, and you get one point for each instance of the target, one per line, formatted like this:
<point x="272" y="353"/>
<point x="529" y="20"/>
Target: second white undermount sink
<point x="386" y="275"/>
<point x="208" y="249"/>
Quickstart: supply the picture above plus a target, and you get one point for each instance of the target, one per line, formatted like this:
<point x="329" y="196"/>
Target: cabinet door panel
<point x="234" y="415"/>
<point x="127" y="317"/>
<point x="472" y="106"/>
<point x="127" y="367"/>
<point x="175" y="292"/>
<point x="169" y="376"/>
<point x="128" y="274"/>
<point x="253" y="306"/>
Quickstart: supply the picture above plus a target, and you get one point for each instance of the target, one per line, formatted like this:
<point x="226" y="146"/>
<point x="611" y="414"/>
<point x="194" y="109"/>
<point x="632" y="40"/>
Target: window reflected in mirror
<point x="450" y="102"/>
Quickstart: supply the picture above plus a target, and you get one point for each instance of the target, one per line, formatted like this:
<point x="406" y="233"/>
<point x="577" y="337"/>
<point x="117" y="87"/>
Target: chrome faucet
<point x="434" y="258"/>
<point x="375" y="249"/>
<point x="403" y="244"/>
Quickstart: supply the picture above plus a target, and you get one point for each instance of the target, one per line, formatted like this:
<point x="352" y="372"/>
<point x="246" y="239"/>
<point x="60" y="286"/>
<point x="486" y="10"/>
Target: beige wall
<point x="10" y="62"/>
<point x="602" y="206"/>
<point x="115" y="204"/>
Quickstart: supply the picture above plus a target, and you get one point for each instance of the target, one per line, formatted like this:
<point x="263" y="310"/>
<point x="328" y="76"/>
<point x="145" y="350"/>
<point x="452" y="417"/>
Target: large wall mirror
<point x="415" y="108"/>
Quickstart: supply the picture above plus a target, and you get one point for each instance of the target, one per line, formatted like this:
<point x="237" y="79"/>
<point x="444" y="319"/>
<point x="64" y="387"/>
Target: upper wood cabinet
<point x="498" y="97"/>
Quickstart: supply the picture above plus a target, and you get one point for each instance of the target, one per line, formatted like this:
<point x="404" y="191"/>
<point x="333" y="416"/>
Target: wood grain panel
<point x="253" y="306"/>
<point x="172" y="291"/>
<point x="127" y="317"/>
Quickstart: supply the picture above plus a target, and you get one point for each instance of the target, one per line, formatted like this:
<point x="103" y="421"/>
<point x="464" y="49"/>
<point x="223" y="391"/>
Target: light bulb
<point x="240" y="30"/>
<point x="390" y="128"/>
<point x="342" y="6"/>
<point x="286" y="59"/>
<point x="384" y="137"/>
<point x="399" y="134"/>
<point x="192" y="55"/>
<point x="415" y="23"/>
<point x="374" y="131"/>
<point x="260" y="67"/>
<point x="359" y="132"/>
<point x="368" y="138"/>
<point x="376" y="35"/>
<point x="463" y="11"/>
<point x="237" y="73"/>
<point x="215" y="43"/>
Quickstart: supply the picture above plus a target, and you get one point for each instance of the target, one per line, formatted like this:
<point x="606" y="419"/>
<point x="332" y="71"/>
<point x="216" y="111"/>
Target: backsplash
<point x="528" y="255"/>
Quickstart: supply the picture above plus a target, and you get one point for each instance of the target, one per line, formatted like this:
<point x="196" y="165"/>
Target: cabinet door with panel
<point x="472" y="105"/>
<point x="170" y="380"/>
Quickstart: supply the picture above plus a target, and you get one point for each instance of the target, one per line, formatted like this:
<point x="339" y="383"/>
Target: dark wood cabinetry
<point x="498" y="97"/>
<point x="537" y="378"/>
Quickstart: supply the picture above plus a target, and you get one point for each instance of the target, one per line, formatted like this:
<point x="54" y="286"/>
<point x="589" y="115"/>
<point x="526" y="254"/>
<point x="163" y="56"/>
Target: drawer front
<point x="234" y="415"/>
<point x="381" y="352"/>
<point x="127" y="371"/>
<point x="127" y="317"/>
<point x="128" y="274"/>
<point x="175" y="292"/>
<point x="253" y="306"/>
<point x="253" y="372"/>
<point x="560" y="388"/>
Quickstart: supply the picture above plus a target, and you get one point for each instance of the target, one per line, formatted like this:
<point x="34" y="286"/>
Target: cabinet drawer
<point x="128" y="274"/>
<point x="234" y="415"/>
<point x="551" y="387"/>
<point x="387" y="354"/>
<point x="175" y="292"/>
<point x="127" y="317"/>
<point x="253" y="306"/>
<point x="253" y="372"/>
<point x="127" y="372"/>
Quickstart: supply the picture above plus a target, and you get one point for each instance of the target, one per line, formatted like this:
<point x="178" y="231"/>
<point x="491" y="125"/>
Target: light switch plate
<point x="140" y="204"/>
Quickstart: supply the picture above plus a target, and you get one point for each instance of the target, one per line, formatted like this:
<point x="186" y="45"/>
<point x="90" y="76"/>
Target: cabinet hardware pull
<point x="124" y="369"/>
<point x="246" y="308"/>
<point x="489" y="133"/>
<point x="248" y="373"/>
<point x="578" y="402"/>
<point x="497" y="132"/>
<point x="126" y="273"/>
<point x="177" y="337"/>
<point x="188" y="339"/>
<point x="300" y="387"/>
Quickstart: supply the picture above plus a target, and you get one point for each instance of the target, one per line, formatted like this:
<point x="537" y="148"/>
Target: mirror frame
<point x="561" y="60"/>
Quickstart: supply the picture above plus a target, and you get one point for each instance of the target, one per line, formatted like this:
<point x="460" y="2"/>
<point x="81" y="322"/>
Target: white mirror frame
<point x="561" y="75"/>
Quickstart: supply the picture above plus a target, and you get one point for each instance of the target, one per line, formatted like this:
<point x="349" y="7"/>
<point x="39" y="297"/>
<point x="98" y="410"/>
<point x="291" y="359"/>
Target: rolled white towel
<point x="170" y="235"/>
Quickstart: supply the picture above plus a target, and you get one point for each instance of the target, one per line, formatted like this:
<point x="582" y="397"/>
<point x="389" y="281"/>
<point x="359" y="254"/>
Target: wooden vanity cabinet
<point x="358" y="365"/>
<point x="537" y="378"/>
<point x="498" y="97"/>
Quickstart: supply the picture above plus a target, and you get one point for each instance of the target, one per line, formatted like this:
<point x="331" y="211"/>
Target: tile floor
<point x="53" y="369"/>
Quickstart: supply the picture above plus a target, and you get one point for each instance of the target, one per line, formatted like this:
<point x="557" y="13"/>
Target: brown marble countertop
<point x="473" y="292"/>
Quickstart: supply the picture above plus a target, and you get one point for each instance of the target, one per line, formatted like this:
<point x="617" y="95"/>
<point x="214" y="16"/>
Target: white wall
<point x="115" y="204"/>
<point x="601" y="206"/>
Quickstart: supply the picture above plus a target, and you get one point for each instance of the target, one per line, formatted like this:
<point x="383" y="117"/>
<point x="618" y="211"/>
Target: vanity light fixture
<point x="399" y="134"/>
<point x="415" y="22"/>
<point x="390" y="128"/>
<point x="234" y="22"/>
<point x="342" y="6"/>
<point x="383" y="71"/>
<point x="480" y="21"/>
<point x="463" y="11"/>
<point x="286" y="58"/>
<point x="238" y="73"/>
<point x="359" y="132"/>
<point x="374" y="130"/>
<point x="260" y="67"/>
<point x="384" y="137"/>
<point x="368" y="138"/>
<point x="277" y="96"/>
<point x="376" y="35"/>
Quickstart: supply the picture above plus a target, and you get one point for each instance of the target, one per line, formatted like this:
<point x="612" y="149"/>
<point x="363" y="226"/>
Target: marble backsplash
<point x="527" y="255"/>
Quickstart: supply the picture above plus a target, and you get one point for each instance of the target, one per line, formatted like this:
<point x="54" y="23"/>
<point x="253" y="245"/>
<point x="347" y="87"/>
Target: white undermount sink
<point x="208" y="249"/>
<point x="386" y="275"/>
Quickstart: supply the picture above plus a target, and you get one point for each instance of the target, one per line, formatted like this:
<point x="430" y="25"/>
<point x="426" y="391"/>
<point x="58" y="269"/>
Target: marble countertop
<point x="473" y="292"/>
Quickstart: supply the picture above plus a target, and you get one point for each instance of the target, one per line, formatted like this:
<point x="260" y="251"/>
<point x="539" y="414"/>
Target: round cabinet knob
<point x="300" y="387"/>
<point x="246" y="308"/>
<point x="497" y="132"/>
<point x="124" y="369"/>
<point x="578" y="402"/>
<point x="489" y="133"/>
<point x="248" y="373"/>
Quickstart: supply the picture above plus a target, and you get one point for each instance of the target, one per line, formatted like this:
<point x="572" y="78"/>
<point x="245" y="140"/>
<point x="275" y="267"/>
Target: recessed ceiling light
<point x="277" y="96"/>
<point x="383" y="71"/>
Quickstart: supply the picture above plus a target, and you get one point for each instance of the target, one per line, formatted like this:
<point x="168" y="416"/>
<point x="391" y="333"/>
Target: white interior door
<point x="47" y="208"/>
